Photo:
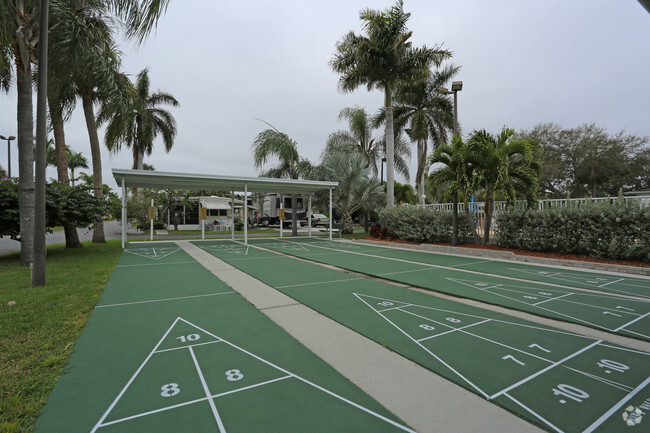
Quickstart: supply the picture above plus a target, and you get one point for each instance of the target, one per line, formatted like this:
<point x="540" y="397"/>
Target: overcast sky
<point x="229" y="63"/>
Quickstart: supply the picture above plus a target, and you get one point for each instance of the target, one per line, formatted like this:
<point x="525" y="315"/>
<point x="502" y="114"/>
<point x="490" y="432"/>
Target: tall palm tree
<point x="504" y="164"/>
<point x="356" y="191"/>
<point x="273" y="144"/>
<point x="381" y="59"/>
<point x="426" y="115"/>
<point x="137" y="124"/>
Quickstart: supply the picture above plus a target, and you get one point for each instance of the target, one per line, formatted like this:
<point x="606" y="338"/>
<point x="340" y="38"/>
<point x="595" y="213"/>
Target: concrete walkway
<point x="422" y="399"/>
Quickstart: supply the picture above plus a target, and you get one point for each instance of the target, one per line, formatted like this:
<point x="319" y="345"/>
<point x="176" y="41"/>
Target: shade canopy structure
<point x="213" y="205"/>
<point x="127" y="178"/>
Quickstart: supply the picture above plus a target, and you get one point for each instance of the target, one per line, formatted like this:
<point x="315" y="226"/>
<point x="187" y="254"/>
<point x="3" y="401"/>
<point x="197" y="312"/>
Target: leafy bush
<point x="422" y="225"/>
<point x="616" y="230"/>
<point x="239" y="225"/>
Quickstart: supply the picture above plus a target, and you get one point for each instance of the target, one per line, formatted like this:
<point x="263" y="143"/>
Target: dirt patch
<point x="525" y="253"/>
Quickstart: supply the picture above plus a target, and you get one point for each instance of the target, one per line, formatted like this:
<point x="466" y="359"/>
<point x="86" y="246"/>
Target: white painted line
<point x="616" y="407"/>
<point x="119" y="396"/>
<point x="151" y="412"/>
<point x="252" y="386"/>
<point x="483" y="393"/>
<point x="319" y="282"/>
<point x="368" y="411"/>
<point x="609" y="382"/>
<point x="637" y="333"/>
<point x="395" y="308"/>
<point x="535" y="414"/>
<point x="544" y="370"/>
<point x="164" y="300"/>
<point x="222" y="429"/>
<point x="154" y="264"/>
<point x="612" y="282"/>
<point x="185" y="347"/>
<point x="631" y="322"/>
<point x="406" y="272"/>
<point x="473" y="263"/>
<point x="452" y="330"/>
<point x="552" y="299"/>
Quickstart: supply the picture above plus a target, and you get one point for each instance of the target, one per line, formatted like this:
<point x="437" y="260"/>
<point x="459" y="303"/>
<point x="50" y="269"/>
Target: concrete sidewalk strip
<point x="424" y="400"/>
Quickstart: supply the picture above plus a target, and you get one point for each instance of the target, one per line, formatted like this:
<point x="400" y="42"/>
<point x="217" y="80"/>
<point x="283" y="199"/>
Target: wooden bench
<point x="336" y="228"/>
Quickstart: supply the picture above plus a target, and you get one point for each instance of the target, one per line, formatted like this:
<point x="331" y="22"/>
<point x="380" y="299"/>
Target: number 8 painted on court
<point x="169" y="390"/>
<point x="234" y="375"/>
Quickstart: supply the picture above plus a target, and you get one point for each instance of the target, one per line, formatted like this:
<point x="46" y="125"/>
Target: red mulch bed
<point x="527" y="253"/>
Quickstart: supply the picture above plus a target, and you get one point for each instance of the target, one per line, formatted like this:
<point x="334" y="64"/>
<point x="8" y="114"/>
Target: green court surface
<point x="171" y="348"/>
<point x="559" y="380"/>
<point x="549" y="292"/>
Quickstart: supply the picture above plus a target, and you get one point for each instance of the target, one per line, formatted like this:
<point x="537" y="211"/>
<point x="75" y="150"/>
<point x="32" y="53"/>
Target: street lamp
<point x="11" y="137"/>
<point x="456" y="87"/>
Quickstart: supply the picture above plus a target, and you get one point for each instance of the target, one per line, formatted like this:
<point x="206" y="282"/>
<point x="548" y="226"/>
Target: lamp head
<point x="456" y="86"/>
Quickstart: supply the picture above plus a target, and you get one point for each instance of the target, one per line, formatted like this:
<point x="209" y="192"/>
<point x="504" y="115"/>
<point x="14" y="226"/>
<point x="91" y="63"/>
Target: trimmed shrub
<point x="416" y="224"/>
<point x="617" y="230"/>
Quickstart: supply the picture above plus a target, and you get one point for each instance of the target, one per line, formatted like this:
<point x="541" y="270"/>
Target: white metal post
<point x="232" y="214"/>
<point x="202" y="222"/>
<point x="151" y="226"/>
<point x="309" y="218"/>
<point x="123" y="212"/>
<point x="331" y="214"/>
<point x="245" y="216"/>
<point x="281" y="219"/>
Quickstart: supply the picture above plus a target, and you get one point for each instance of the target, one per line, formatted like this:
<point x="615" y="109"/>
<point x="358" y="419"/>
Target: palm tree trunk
<point x="488" y="218"/>
<point x="470" y="222"/>
<point x="390" y="149"/>
<point x="71" y="235"/>
<point x="25" y="118"/>
<point x="419" y="177"/>
<point x="91" y="125"/>
<point x="454" y="220"/>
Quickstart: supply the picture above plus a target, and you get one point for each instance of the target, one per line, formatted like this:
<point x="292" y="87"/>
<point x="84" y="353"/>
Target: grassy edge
<point x="38" y="334"/>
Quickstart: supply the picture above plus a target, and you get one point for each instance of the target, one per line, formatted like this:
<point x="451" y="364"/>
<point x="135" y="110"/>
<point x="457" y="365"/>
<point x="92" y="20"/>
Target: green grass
<point x="38" y="334"/>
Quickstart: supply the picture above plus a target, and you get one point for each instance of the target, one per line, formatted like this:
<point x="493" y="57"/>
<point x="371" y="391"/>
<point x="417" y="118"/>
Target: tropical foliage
<point x="140" y="121"/>
<point x="380" y="59"/>
<point x="356" y="192"/>
<point x="273" y="145"/>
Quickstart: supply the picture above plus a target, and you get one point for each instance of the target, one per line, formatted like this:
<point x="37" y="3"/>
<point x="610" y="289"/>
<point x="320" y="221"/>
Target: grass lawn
<point x="38" y="334"/>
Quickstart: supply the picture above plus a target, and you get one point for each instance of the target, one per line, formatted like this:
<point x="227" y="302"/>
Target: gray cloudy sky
<point x="523" y="62"/>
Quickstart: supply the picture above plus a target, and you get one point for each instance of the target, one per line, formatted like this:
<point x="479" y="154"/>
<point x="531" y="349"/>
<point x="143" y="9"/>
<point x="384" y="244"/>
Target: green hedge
<point x="415" y="224"/>
<point x="616" y="230"/>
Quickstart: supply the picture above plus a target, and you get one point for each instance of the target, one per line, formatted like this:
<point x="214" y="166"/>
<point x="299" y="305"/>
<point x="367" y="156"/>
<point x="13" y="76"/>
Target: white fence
<point x="477" y="209"/>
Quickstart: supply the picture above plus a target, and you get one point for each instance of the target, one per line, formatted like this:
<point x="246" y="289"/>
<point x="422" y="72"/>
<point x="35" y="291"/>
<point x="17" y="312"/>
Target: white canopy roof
<point x="214" y="205"/>
<point x="210" y="182"/>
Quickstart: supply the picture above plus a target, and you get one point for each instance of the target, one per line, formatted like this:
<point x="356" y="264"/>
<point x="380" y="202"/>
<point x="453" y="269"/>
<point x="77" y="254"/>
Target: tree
<point x="505" y="164"/>
<point x="455" y="174"/>
<point x="588" y="161"/>
<point x="357" y="139"/>
<point x="75" y="160"/>
<point x="272" y="143"/>
<point x="74" y="206"/>
<point x="356" y="191"/>
<point x="425" y="114"/>
<point x="405" y="194"/>
<point x="137" y="124"/>
<point x="381" y="59"/>
<point x="3" y="173"/>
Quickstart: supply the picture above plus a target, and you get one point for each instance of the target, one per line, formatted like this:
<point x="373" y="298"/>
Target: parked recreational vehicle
<point x="269" y="214"/>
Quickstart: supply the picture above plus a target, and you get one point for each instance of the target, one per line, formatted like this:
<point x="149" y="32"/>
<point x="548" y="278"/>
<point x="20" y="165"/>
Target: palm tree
<point x="382" y="59"/>
<point x="456" y="175"/>
<point x="270" y="144"/>
<point x="356" y="191"/>
<point x="357" y="139"/>
<point x="137" y="124"/>
<point x="3" y="173"/>
<point x="425" y="114"/>
<point x="504" y="164"/>
<point x="75" y="160"/>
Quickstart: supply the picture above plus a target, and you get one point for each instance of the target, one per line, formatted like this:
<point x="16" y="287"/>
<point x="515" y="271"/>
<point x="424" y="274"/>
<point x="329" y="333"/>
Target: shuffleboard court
<point x="605" y="310"/>
<point x="561" y="381"/>
<point x="179" y="361"/>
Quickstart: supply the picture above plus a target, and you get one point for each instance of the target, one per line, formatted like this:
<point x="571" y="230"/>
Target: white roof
<point x="210" y="182"/>
<point x="214" y="205"/>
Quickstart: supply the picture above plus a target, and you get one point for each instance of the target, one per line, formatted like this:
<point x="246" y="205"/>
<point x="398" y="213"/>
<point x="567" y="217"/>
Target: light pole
<point x="456" y="87"/>
<point x="11" y="137"/>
